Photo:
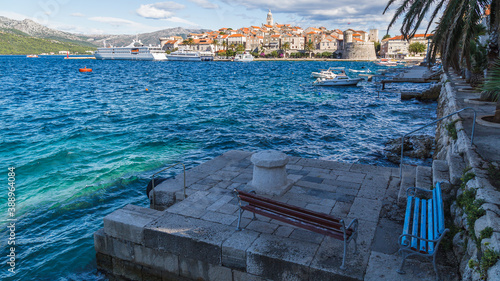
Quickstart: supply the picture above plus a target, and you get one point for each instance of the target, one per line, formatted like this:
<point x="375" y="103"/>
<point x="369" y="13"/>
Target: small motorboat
<point x="243" y="57"/>
<point x="323" y="73"/>
<point x="85" y="69"/>
<point x="360" y="71"/>
<point x="32" y="56"/>
<point x="337" y="79"/>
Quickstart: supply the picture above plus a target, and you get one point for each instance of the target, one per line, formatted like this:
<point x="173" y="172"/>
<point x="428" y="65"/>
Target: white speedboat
<point x="337" y="78"/>
<point x="360" y="71"/>
<point x="243" y="57"/>
<point x="134" y="51"/>
<point x="323" y="73"/>
<point x="183" y="55"/>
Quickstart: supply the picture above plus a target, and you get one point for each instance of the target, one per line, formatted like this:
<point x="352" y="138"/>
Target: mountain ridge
<point x="37" y="30"/>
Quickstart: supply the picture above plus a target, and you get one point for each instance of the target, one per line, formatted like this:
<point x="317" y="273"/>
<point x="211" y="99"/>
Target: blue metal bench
<point x="423" y="227"/>
<point x="299" y="217"/>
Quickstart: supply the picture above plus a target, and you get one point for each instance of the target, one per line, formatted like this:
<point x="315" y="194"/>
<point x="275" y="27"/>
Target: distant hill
<point x="29" y="37"/>
<point x="151" y="38"/>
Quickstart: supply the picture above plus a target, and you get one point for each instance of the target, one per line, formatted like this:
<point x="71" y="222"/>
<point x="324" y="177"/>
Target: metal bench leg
<point x="435" y="266"/>
<point x="238" y="228"/>
<point x="400" y="270"/>
<point x="343" y="257"/>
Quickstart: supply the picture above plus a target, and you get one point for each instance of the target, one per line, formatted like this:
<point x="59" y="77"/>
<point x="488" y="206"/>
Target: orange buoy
<point x="85" y="69"/>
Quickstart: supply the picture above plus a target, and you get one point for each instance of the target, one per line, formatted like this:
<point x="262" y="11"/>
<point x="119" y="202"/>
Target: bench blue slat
<point x="415" y="223"/>
<point x="406" y="227"/>
<point x="430" y="225"/>
<point x="423" y="229"/>
<point x="434" y="214"/>
<point x="440" y="209"/>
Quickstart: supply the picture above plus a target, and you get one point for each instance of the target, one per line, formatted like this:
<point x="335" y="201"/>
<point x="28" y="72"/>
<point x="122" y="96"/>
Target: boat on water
<point x="183" y="55"/>
<point x="337" y="77"/>
<point x="323" y="73"/>
<point x="243" y="57"/>
<point x="32" y="56"/>
<point x="360" y="71"/>
<point x="135" y="51"/>
<point x="386" y="62"/>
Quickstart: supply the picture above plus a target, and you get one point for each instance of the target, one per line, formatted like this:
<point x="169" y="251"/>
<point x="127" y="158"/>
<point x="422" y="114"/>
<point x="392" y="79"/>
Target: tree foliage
<point x="416" y="48"/>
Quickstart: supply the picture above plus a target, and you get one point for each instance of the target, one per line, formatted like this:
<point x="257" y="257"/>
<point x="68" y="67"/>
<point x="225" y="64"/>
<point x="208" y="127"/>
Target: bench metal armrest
<point x="412" y="191"/>
<point x="422" y="239"/>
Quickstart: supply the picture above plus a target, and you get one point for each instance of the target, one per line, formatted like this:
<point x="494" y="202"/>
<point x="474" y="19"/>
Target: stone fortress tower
<point x="269" y="20"/>
<point x="373" y="35"/>
<point x="358" y="48"/>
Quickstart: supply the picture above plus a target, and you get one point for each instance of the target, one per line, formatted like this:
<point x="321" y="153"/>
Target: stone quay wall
<point x="359" y="51"/>
<point x="475" y="203"/>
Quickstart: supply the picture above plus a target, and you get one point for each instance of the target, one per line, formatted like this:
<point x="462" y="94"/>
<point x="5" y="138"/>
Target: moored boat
<point x="337" y="77"/>
<point x="183" y="55"/>
<point x="243" y="57"/>
<point x="386" y="62"/>
<point x="134" y="51"/>
<point x="32" y="56"/>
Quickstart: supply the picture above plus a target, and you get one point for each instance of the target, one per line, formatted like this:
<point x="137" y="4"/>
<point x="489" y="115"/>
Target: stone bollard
<point x="269" y="173"/>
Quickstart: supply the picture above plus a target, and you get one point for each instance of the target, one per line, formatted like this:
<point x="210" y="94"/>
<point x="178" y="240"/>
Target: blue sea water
<point x="86" y="144"/>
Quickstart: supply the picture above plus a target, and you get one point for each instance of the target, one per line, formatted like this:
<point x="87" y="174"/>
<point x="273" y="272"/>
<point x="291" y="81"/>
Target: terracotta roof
<point x="261" y="37"/>
<point x="267" y="25"/>
<point x="356" y="34"/>
<point x="312" y="32"/>
<point x="359" y="40"/>
<point x="400" y="37"/>
<point x="275" y="36"/>
<point x="236" y="35"/>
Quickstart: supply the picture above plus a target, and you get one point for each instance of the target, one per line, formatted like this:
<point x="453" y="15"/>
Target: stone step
<point x="441" y="173"/>
<point x="424" y="177"/>
<point x="408" y="179"/>
<point x="456" y="166"/>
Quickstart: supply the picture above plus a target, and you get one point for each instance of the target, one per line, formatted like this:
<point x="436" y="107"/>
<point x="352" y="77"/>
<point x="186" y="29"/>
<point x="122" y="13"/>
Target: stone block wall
<point x="359" y="51"/>
<point x="476" y="203"/>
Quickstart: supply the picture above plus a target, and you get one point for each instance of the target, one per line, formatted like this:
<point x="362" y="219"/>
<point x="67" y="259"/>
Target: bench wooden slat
<point x="279" y="217"/>
<point x="430" y="226"/>
<point x="294" y="213"/>
<point x="423" y="224"/>
<point x="414" y="230"/>
<point x="435" y="214"/>
<point x="302" y="210"/>
<point x="406" y="227"/>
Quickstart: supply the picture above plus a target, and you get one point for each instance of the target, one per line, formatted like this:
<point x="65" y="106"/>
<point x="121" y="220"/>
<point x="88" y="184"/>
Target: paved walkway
<point x="486" y="138"/>
<point x="279" y="251"/>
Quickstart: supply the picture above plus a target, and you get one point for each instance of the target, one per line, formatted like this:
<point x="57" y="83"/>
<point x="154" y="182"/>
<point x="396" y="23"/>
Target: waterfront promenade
<point x="195" y="238"/>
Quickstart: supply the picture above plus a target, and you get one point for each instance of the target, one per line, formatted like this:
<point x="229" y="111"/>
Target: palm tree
<point x="456" y="34"/>
<point x="189" y="42"/>
<point x="286" y="47"/>
<point x="216" y="44"/>
<point x="492" y="87"/>
<point x="309" y="47"/>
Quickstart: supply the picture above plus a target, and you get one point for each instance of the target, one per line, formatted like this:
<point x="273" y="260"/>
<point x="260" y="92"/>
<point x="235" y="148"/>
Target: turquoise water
<point x="86" y="144"/>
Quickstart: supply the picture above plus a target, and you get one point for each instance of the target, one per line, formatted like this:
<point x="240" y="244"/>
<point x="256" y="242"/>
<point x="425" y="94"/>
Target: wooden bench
<point x="299" y="217"/>
<point x="423" y="228"/>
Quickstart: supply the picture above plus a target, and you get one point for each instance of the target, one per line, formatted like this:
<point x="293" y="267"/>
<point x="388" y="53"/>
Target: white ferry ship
<point x="183" y="55"/>
<point x="134" y="51"/>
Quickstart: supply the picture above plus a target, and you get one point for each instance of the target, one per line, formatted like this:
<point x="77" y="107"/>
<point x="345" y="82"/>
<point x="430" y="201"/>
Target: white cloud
<point x="179" y="20"/>
<point x="205" y="4"/>
<point x="161" y="10"/>
<point x="113" y="21"/>
<point x="329" y="14"/>
<point x="79" y="15"/>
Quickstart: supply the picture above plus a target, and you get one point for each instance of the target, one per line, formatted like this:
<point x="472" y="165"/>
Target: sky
<point x="140" y="16"/>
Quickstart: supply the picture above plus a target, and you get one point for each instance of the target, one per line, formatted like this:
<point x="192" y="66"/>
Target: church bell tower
<point x="270" y="18"/>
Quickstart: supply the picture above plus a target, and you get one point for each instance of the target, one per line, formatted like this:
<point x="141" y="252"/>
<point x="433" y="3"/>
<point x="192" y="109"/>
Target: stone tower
<point x="348" y="36"/>
<point x="373" y="35"/>
<point x="269" y="18"/>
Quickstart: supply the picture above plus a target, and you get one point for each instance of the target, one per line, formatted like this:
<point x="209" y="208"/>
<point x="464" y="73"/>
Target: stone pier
<point x="196" y="238"/>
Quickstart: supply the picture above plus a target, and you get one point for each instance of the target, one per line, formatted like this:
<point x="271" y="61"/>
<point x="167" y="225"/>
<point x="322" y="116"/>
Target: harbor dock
<point x="196" y="238"/>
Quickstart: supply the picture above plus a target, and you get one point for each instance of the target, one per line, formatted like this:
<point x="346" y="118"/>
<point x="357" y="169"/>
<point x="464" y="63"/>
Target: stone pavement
<point x="195" y="238"/>
<point x="486" y="138"/>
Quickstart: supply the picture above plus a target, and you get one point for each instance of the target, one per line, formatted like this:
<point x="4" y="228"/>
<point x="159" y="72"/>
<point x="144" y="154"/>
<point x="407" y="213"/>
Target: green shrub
<point x="452" y="130"/>
<point x="494" y="175"/>
<point x="486" y="233"/>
